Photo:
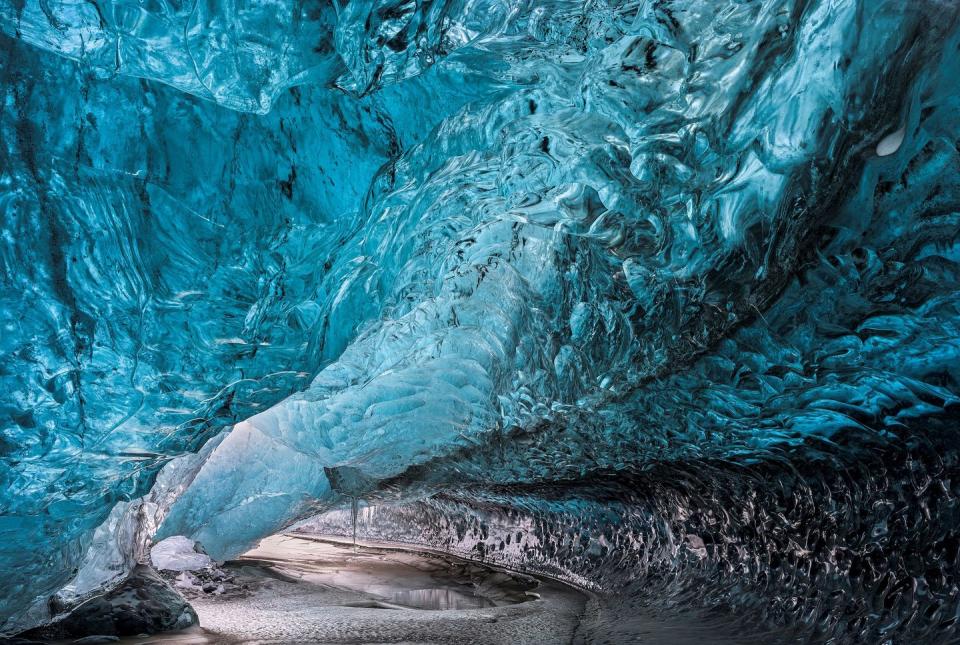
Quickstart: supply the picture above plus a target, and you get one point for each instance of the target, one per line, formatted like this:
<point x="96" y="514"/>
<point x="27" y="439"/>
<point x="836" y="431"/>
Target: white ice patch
<point x="890" y="143"/>
<point x="177" y="553"/>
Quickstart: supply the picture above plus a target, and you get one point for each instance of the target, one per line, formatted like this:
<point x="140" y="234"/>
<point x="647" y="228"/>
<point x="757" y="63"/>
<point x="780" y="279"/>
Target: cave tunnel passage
<point x="591" y="321"/>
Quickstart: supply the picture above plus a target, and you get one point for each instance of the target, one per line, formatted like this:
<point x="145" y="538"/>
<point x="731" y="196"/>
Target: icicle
<point x="354" y="510"/>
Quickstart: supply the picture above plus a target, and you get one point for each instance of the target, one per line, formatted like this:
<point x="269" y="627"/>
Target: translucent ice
<point x="178" y="553"/>
<point x="661" y="297"/>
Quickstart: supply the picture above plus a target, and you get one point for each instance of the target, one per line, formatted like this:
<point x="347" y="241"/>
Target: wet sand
<point x="301" y="590"/>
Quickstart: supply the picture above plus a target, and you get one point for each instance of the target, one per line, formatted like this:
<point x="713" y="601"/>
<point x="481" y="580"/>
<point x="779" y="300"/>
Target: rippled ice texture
<point x="657" y="295"/>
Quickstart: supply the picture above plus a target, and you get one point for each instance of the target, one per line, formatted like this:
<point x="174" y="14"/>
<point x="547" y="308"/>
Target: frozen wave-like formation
<point x="243" y="55"/>
<point x="656" y="296"/>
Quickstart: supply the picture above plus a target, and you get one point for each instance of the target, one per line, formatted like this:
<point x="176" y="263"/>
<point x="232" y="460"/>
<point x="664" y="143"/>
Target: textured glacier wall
<point x="657" y="296"/>
<point x="163" y="276"/>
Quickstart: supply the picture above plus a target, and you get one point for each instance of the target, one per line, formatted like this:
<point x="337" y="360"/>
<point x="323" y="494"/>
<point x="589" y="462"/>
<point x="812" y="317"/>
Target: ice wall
<point x="163" y="270"/>
<point x="683" y="272"/>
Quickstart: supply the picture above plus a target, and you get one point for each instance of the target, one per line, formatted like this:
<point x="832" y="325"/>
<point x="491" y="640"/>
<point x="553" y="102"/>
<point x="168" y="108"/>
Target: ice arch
<point x="602" y="272"/>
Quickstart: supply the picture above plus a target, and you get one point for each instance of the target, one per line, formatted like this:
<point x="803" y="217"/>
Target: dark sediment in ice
<point x="142" y="604"/>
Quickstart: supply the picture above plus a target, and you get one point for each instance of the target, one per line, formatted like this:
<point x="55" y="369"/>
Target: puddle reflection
<point x="439" y="598"/>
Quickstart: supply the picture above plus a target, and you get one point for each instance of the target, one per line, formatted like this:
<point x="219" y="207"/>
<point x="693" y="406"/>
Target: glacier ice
<point x="178" y="553"/>
<point x="658" y="296"/>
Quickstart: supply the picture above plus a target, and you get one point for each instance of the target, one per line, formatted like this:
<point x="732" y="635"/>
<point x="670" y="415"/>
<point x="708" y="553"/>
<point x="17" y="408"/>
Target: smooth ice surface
<point x="659" y="296"/>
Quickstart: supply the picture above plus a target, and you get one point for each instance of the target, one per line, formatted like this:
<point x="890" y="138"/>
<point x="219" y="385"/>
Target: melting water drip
<point x="353" y="513"/>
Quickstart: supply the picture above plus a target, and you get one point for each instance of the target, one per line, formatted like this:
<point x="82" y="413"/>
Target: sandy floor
<point x="298" y="589"/>
<point x="304" y="591"/>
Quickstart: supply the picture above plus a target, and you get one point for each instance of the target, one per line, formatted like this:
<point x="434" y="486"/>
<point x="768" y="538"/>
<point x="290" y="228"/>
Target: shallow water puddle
<point x="439" y="599"/>
<point x="405" y="579"/>
<point x="300" y="590"/>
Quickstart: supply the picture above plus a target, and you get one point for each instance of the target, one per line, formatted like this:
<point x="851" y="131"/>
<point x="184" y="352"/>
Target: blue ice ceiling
<point x="615" y="271"/>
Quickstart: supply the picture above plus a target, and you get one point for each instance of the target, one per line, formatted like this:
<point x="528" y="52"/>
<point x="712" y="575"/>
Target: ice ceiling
<point x="662" y="296"/>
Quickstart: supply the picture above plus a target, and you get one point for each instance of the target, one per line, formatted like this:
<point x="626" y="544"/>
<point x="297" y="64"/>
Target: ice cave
<point x="480" y="321"/>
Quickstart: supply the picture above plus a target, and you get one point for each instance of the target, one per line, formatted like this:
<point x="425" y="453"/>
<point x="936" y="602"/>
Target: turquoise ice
<point x="459" y="255"/>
